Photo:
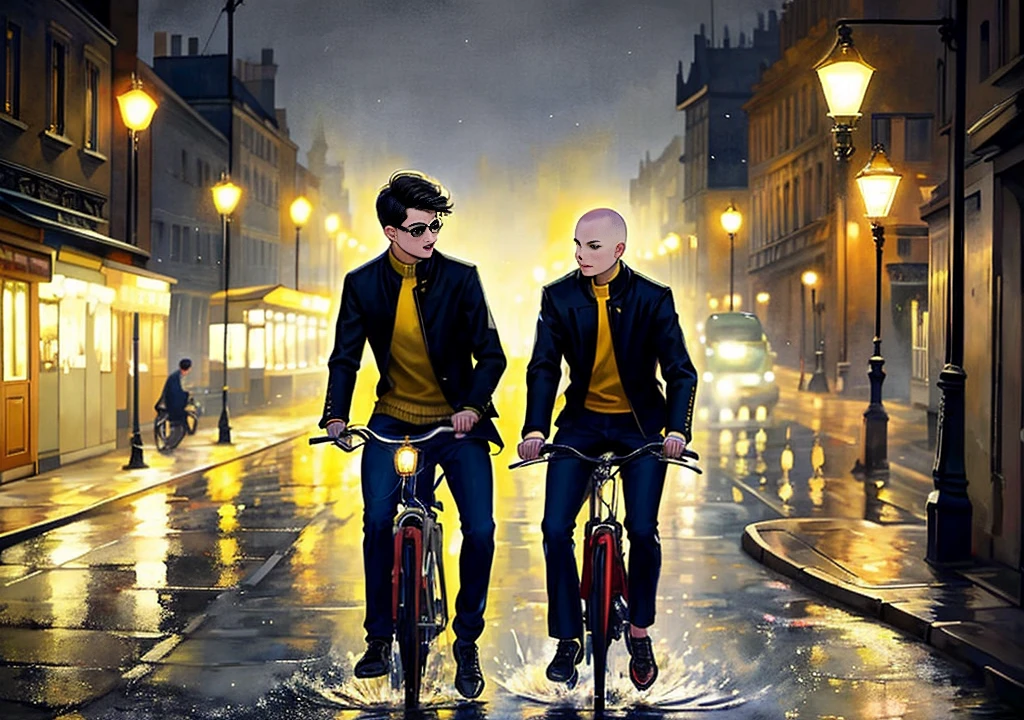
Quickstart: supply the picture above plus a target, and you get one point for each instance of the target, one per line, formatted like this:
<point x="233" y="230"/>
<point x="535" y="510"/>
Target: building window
<point x="12" y="70"/>
<point x="881" y="131"/>
<point x="58" y="78"/>
<point x="159" y="242"/>
<point x="918" y="138"/>
<point x="176" y="243"/>
<point x="1004" y="31"/>
<point x="199" y="172"/>
<point x="985" y="51"/>
<point x="184" y="165"/>
<point x="92" y="106"/>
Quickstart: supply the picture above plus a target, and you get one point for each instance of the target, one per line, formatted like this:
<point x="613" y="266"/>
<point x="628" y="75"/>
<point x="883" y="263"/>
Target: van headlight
<point x="769" y="376"/>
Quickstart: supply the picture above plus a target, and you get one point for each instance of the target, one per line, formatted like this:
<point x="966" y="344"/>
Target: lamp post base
<point x="818" y="382"/>
<point x="949" y="511"/>
<point x="876" y="424"/>
<point x="223" y="426"/>
<point x="136" y="461"/>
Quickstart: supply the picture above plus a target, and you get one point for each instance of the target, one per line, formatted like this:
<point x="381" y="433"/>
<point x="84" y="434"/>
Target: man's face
<point x="418" y="234"/>
<point x="596" y="249"/>
<point x="185" y="371"/>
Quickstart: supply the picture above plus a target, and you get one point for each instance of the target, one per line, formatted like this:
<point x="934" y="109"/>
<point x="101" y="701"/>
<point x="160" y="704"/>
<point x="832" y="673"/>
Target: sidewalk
<point x="972" y="614"/>
<point x="39" y="503"/>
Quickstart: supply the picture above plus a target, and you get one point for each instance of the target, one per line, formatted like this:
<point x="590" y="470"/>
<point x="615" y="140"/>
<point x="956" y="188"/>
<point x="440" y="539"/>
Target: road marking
<point x="265" y="568"/>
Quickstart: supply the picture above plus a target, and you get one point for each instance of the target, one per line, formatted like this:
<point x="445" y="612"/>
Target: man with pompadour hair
<point x="439" y="357"/>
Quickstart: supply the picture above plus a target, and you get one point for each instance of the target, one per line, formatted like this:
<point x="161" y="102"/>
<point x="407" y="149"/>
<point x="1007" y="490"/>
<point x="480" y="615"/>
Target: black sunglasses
<point x="418" y="230"/>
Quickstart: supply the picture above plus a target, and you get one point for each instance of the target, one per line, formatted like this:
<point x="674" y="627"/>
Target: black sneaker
<point x="469" y="680"/>
<point x="376" y="661"/>
<point x="562" y="668"/>
<point x="643" y="670"/>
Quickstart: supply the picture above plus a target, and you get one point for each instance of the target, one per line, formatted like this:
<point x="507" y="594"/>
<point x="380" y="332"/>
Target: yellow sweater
<point x="415" y="396"/>
<point x="605" y="394"/>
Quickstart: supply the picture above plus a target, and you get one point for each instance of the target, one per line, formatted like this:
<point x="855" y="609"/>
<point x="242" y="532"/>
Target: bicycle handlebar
<point x="552" y="451"/>
<point x="366" y="434"/>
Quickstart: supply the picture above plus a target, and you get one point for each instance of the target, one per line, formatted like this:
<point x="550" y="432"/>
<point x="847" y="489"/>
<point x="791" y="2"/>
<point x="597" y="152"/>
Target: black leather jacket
<point x="645" y="333"/>
<point x="457" y="328"/>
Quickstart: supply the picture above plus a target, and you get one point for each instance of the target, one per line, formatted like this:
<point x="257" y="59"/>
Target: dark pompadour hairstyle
<point x="184" y="364"/>
<point x="410" y="190"/>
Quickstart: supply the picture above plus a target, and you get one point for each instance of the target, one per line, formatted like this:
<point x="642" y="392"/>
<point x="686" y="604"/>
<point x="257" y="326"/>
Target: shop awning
<point x="274" y="296"/>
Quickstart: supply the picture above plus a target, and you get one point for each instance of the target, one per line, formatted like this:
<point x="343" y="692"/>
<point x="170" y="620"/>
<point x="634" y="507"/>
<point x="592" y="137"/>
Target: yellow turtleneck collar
<point x="403" y="269"/>
<point x="603" y="290"/>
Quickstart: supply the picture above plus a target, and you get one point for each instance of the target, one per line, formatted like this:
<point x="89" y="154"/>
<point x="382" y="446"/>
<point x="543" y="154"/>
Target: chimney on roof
<point x="193" y="46"/>
<point x="175" y="45"/>
<point x="159" y="43"/>
<point x="725" y="37"/>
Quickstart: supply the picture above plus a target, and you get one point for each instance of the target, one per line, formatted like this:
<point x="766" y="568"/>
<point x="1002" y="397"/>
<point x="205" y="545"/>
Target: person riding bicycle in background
<point x="613" y="327"/>
<point x="174" y="397"/>
<point x="426" y="319"/>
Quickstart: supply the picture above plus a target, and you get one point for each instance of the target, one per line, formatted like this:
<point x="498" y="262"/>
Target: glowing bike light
<point x="406" y="459"/>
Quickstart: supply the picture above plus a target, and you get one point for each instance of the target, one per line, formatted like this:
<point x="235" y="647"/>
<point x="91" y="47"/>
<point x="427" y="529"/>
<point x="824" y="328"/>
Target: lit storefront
<point x="76" y="385"/>
<point x="149" y="294"/>
<point x="24" y="264"/>
<point x="277" y="344"/>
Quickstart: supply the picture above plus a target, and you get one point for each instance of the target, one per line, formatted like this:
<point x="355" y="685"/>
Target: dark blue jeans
<point x="567" y="488"/>
<point x="467" y="467"/>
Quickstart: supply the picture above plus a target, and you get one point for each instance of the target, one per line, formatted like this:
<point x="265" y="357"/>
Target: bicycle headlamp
<point x="406" y="459"/>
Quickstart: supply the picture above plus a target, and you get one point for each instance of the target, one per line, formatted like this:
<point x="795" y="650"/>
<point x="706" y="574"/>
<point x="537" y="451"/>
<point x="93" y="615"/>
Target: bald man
<point x="613" y="327"/>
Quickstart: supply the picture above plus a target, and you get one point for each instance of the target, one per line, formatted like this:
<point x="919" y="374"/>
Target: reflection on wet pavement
<point x="241" y="596"/>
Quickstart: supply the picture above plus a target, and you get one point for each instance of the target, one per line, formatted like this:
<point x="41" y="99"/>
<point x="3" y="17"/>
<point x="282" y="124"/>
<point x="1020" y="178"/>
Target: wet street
<point x="239" y="595"/>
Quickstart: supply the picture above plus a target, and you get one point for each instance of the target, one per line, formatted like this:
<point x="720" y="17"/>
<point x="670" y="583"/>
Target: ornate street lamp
<point x="844" y="78"/>
<point x="949" y="509"/>
<point x="225" y="197"/>
<point x="300" y="211"/>
<point x="137" y="110"/>
<point x="877" y="182"/>
<point x="732" y="220"/>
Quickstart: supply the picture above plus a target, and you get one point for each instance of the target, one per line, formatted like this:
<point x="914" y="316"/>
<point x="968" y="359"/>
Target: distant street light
<point x="808" y="279"/>
<point x="300" y="211"/>
<point x="732" y="220"/>
<point x="226" y="196"/>
<point x="137" y="110"/>
<point x="818" y="382"/>
<point x="332" y="223"/>
<point x="877" y="182"/>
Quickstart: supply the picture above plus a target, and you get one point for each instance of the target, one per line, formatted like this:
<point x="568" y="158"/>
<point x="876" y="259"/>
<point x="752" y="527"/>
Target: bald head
<point x="601" y="224"/>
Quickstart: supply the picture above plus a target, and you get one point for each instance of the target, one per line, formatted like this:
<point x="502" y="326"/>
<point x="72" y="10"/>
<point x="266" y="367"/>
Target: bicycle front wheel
<point x="410" y="644"/>
<point x="598" y="615"/>
<point x="166" y="434"/>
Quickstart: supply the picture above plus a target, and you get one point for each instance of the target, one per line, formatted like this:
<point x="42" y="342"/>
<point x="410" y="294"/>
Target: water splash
<point x="684" y="683"/>
<point x="333" y="685"/>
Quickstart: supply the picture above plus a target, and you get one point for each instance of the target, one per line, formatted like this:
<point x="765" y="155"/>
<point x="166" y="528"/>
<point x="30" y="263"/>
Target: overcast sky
<point x="439" y="83"/>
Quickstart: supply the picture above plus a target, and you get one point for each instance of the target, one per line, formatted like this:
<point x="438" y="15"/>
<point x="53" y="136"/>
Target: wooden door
<point x="16" y="447"/>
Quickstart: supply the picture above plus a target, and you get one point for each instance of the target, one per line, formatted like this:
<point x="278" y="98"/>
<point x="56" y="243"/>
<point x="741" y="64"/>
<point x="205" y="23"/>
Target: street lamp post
<point x="877" y="182"/>
<point x="732" y="220"/>
<point x="225" y="197"/>
<point x="300" y="211"/>
<point x="808" y="279"/>
<point x="949" y="509"/>
<point x="137" y="110"/>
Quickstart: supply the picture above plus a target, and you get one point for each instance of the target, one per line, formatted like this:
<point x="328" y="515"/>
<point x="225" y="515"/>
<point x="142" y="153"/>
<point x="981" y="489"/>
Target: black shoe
<point x="469" y="680"/>
<point x="562" y="668"/>
<point x="643" y="670"/>
<point x="376" y="661"/>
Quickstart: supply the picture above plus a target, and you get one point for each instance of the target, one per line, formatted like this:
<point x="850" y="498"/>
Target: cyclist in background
<point x="174" y="397"/>
<point x="427" y="321"/>
<point x="613" y="327"/>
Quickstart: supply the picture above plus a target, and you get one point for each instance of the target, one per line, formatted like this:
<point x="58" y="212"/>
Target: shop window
<point x="49" y="342"/>
<point x="257" y="348"/>
<point x="16" y="335"/>
<point x="236" y="344"/>
<point x="102" y="337"/>
<point x="72" y="331"/>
